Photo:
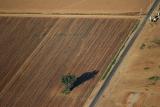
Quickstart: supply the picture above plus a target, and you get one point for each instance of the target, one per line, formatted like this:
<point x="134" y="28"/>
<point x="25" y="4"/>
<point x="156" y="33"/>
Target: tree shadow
<point x="83" y="78"/>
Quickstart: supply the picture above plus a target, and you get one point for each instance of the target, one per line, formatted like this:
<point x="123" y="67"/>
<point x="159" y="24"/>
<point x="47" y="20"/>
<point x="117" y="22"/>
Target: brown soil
<point x="18" y="38"/>
<point x="75" y="6"/>
<point x="55" y="47"/>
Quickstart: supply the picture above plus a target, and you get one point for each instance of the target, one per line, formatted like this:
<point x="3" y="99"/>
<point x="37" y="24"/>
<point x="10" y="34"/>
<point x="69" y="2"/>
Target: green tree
<point x="68" y="80"/>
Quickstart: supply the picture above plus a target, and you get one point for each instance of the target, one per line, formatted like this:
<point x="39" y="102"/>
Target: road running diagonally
<point x="124" y="52"/>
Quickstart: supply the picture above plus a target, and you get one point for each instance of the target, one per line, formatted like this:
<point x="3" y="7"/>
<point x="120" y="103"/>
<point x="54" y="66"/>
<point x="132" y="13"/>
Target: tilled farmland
<point x="36" y="52"/>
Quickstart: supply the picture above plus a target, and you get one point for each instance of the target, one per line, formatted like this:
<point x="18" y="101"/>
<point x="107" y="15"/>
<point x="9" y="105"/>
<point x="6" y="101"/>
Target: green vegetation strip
<point x="107" y="71"/>
<point x="109" y="67"/>
<point x="135" y="26"/>
<point x="154" y="79"/>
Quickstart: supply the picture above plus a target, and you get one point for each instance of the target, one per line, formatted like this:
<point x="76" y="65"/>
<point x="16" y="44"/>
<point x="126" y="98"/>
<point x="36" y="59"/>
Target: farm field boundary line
<point x="123" y="52"/>
<point x="73" y="16"/>
<point x="116" y="15"/>
<point x="60" y="13"/>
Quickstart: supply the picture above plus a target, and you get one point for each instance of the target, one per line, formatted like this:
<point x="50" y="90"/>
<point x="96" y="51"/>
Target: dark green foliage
<point x="68" y="81"/>
<point x="66" y="91"/>
<point x="146" y="68"/>
<point x="154" y="78"/>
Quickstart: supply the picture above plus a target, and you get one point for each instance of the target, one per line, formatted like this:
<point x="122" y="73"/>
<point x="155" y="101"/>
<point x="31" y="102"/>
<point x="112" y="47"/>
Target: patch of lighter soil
<point x="132" y="99"/>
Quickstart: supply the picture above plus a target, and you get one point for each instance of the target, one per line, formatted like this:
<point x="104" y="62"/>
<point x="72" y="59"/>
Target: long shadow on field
<point x="83" y="78"/>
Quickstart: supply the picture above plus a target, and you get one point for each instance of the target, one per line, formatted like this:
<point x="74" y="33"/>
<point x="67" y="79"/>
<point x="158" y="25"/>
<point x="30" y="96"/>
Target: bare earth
<point x="18" y="38"/>
<point x="36" y="51"/>
<point x="71" y="45"/>
<point x="75" y="6"/>
<point x="131" y="86"/>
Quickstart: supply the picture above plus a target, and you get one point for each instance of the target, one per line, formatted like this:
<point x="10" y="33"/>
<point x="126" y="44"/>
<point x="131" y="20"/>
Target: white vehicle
<point x="155" y="18"/>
